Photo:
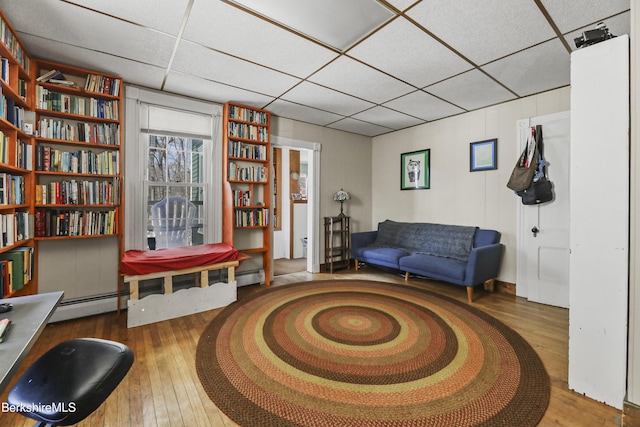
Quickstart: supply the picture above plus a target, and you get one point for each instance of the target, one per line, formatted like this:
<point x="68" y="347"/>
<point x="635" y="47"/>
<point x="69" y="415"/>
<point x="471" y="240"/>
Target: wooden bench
<point x="165" y="264"/>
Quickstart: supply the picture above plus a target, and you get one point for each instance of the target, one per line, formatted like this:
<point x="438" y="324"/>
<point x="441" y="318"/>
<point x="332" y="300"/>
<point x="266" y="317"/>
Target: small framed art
<point x="415" y="170"/>
<point x="483" y="155"/>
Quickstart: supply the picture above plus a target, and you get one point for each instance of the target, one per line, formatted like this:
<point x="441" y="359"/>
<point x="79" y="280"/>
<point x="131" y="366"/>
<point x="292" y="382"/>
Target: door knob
<point x="535" y="230"/>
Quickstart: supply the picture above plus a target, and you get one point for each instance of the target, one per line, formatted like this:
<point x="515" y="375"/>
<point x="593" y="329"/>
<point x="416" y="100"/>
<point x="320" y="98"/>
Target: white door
<point x="543" y="236"/>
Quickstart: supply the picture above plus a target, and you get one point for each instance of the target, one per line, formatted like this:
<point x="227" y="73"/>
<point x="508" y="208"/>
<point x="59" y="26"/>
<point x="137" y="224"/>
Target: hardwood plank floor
<point x="163" y="389"/>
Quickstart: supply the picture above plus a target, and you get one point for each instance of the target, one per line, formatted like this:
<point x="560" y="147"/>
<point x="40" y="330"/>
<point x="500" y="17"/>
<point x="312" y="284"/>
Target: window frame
<point x="136" y="152"/>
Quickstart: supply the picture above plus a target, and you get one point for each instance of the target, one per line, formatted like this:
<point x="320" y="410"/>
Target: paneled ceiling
<point x="376" y="67"/>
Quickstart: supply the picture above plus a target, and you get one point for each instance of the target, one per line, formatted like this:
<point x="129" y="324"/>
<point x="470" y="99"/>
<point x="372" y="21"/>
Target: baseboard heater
<point x="106" y="303"/>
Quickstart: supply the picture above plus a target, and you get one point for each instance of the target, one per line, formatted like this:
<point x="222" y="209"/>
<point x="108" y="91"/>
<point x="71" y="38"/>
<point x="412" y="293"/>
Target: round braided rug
<point x="362" y="353"/>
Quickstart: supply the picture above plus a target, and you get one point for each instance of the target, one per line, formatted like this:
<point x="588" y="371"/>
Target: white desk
<point x="29" y="316"/>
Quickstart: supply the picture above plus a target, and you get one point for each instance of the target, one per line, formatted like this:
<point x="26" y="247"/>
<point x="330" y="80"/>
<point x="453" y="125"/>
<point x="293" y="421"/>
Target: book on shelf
<point x="67" y="83"/>
<point x="51" y="74"/>
<point x="22" y="266"/>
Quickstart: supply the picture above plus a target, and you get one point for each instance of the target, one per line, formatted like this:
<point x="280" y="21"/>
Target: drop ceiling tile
<point x="335" y="23"/>
<point x="543" y="67"/>
<point x="230" y="30"/>
<point x="131" y="71"/>
<point x="203" y="62"/>
<point x="571" y="15"/>
<point x="484" y="30"/>
<point x="350" y="76"/>
<point x="161" y="15"/>
<point x="200" y="88"/>
<point x="408" y="53"/>
<point x="618" y="25"/>
<point x="313" y="95"/>
<point x="424" y="106"/>
<point x="471" y="90"/>
<point x="359" y="127"/>
<point x="388" y="118"/>
<point x="80" y="27"/>
<point x="301" y="113"/>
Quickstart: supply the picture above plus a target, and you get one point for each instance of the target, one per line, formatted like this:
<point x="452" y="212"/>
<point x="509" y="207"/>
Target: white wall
<point x="458" y="196"/>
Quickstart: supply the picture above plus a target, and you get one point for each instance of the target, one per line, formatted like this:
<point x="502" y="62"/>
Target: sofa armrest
<point x="484" y="264"/>
<point x="362" y="240"/>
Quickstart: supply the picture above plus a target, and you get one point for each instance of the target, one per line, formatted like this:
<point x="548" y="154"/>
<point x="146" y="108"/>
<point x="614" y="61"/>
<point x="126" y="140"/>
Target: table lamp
<point x="341" y="196"/>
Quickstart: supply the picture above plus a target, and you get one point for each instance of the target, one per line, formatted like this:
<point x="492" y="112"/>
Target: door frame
<point x="313" y="197"/>
<point x="522" y="228"/>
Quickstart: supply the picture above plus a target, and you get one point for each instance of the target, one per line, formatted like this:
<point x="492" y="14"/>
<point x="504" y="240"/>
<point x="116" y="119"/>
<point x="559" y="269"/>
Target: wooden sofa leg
<point x="406" y="276"/>
<point x="489" y="285"/>
<point x="357" y="265"/>
<point x="470" y="294"/>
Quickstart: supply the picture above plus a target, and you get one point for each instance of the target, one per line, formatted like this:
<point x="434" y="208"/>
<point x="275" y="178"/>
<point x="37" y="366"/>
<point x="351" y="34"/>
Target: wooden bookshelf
<point x="246" y="191"/>
<point x="77" y="153"/>
<point x="16" y="162"/>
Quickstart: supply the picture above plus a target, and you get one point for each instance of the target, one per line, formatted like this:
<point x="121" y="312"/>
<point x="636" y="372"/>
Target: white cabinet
<point x="599" y="230"/>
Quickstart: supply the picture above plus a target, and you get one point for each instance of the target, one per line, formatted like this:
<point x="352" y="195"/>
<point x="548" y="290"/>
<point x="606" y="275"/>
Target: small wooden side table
<point x="337" y="240"/>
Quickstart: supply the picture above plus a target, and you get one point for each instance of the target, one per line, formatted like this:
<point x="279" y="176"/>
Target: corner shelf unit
<point x="16" y="160"/>
<point x="246" y="190"/>
<point x="77" y="154"/>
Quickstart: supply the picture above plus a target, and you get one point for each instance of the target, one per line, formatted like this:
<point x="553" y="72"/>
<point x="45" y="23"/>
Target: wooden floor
<point x="162" y="388"/>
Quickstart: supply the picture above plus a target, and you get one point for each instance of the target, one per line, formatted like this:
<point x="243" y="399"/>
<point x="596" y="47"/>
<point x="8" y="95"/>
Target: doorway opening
<point x="295" y="201"/>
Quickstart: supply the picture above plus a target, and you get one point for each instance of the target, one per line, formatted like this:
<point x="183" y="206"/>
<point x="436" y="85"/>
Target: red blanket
<point x="144" y="262"/>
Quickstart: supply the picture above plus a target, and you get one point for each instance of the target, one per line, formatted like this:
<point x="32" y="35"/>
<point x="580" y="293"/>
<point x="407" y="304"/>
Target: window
<point x="172" y="169"/>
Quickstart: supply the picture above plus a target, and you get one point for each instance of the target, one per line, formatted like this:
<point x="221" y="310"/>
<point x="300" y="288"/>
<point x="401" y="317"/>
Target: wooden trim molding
<point x="630" y="414"/>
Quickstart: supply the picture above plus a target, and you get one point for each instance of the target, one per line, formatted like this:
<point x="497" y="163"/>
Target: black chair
<point x="70" y="381"/>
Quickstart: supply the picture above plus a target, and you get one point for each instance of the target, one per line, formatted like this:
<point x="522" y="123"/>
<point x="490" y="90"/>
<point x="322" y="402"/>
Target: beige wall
<point x="345" y="162"/>
<point x="458" y="196"/>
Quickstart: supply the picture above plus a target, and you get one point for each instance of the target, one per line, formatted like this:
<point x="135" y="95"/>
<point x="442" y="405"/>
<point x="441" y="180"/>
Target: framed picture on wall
<point x="415" y="170"/>
<point x="483" y="155"/>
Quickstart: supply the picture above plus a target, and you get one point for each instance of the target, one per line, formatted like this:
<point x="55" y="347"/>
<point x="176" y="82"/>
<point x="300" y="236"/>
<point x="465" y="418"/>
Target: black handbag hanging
<point x="527" y="164"/>
<point x="541" y="189"/>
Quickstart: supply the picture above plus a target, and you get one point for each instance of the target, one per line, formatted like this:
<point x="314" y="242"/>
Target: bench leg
<point x="470" y="294"/>
<point x="168" y="284"/>
<point x="133" y="290"/>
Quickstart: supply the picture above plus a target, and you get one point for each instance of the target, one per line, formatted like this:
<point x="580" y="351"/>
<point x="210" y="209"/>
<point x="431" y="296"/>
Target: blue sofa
<point x="465" y="256"/>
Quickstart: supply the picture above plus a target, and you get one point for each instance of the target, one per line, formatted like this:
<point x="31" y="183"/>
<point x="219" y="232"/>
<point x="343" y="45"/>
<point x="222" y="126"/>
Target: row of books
<point x="11" y="42"/>
<point x="246" y="115"/>
<point x="252" y="217"/>
<point x="49" y="159"/>
<point x="15" y="227"/>
<point x="253" y="132"/>
<point x="253" y="174"/>
<point x="241" y="198"/>
<point x="247" y="151"/>
<point x="80" y="105"/>
<point x="11" y="112"/>
<point x="74" y="192"/>
<point x="16" y="269"/>
<point x="52" y="222"/>
<point x="96" y="133"/>
<point x="11" y="189"/>
<point x="102" y="84"/>
<point x="23" y="154"/>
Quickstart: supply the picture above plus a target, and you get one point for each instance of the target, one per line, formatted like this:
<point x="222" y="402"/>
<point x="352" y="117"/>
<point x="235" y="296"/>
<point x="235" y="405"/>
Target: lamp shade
<point x="341" y="196"/>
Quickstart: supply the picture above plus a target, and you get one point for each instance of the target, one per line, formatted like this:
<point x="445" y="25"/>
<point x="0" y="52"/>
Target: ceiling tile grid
<point x="413" y="62"/>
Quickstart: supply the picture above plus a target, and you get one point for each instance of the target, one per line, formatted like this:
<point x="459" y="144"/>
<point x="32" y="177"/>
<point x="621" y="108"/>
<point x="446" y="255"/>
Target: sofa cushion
<point x="389" y="256"/>
<point x="436" y="265"/>
<point x="451" y="241"/>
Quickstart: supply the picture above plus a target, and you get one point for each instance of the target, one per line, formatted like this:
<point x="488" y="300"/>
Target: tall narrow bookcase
<point x="78" y="159"/>
<point x="246" y="190"/>
<point x="78" y="163"/>
<point x="16" y="163"/>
